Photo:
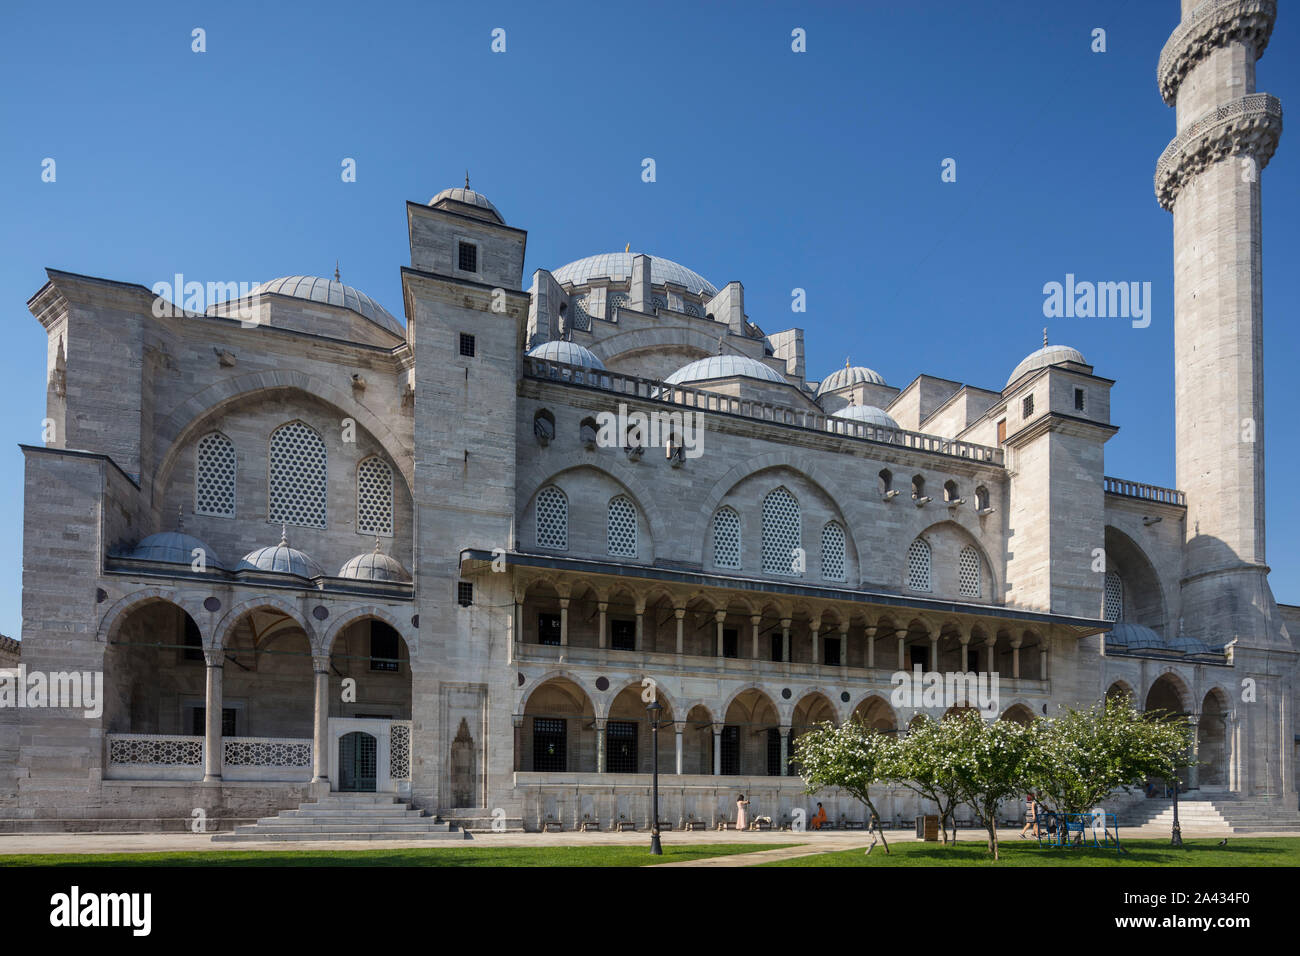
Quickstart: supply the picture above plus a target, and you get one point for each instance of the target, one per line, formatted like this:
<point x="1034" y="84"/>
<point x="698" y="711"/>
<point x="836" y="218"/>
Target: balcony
<point x="1144" y="492"/>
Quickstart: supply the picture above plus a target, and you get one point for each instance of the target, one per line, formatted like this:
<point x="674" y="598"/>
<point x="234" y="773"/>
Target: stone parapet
<point x="1212" y="25"/>
<point x="1251" y="125"/>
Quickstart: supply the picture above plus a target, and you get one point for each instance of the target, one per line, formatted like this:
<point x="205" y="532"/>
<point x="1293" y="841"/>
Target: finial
<point x="337" y="277"/>
<point x="628" y="247"/>
<point x="719" y="344"/>
<point x="284" y="535"/>
<point x="180" y="517"/>
<point x="846" y="361"/>
<point x="1044" y="338"/>
<point x="467" y="179"/>
<point x="377" y="544"/>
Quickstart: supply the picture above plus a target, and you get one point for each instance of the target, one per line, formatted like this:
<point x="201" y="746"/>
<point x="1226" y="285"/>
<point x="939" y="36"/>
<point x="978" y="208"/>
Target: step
<point x="351" y="828"/>
<point x="297" y="823"/>
<point x="397" y="812"/>
<point x="309" y="836"/>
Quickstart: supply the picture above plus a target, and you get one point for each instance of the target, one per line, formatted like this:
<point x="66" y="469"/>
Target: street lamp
<point x="1178" y="830"/>
<point x="654" y="707"/>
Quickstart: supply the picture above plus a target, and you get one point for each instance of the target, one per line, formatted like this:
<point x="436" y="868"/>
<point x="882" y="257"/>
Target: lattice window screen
<point x="214" y="476"/>
<point x="968" y="572"/>
<point x="622" y="527"/>
<point x="918" y="565"/>
<point x="726" y="539"/>
<point x="552" y="519"/>
<point x="1114" y="609"/>
<point x="375" y="496"/>
<point x="781" y="532"/>
<point x="833" y="552"/>
<point x="296" y="486"/>
<point x="578" y="314"/>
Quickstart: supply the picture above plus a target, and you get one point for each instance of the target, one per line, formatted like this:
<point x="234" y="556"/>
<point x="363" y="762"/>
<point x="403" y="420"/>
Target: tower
<point x="1209" y="178"/>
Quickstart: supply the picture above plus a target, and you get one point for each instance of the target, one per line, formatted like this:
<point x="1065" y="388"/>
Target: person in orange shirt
<point x="820" y="818"/>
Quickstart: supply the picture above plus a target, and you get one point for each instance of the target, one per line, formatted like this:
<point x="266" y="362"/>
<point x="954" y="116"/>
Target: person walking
<point x="1031" y="814"/>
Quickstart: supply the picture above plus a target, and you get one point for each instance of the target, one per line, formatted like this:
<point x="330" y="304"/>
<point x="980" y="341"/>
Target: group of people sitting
<point x="817" y="822"/>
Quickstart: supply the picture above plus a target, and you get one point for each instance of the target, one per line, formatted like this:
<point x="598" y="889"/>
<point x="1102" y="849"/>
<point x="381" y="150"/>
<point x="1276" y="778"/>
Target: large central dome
<point x="617" y="266"/>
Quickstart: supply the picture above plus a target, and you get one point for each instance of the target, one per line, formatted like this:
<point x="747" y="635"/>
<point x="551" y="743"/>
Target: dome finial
<point x="284" y="535"/>
<point x="1044" y="337"/>
<point x="846" y="361"/>
<point x="467" y="179"/>
<point x="337" y="277"/>
<point x="719" y="344"/>
<point x="628" y="247"/>
<point x="180" y="517"/>
<point x="377" y="551"/>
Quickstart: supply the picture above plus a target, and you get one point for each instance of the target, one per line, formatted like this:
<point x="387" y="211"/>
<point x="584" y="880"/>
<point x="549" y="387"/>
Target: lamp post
<point x="654" y="707"/>
<point x="1177" y="839"/>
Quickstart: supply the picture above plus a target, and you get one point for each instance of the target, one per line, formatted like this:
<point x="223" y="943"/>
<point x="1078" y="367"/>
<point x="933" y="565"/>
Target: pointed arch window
<point x="552" y="519"/>
<point x="622" y="527"/>
<point x="833" y="552"/>
<point x="375" y="496"/>
<point x="781" y="533"/>
<point x="968" y="572"/>
<point x="296" y="476"/>
<point x="214" y="476"/>
<point x="726" y="538"/>
<point x="918" y="565"/>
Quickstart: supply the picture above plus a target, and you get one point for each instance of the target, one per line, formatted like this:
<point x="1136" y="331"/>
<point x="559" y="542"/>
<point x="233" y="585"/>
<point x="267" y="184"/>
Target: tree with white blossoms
<point x="1083" y="755"/>
<point x="990" y="762"/>
<point x="851" y="758"/>
<point x="923" y="763"/>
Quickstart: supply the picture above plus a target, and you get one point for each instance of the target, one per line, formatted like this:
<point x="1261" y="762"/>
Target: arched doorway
<point x="1168" y="697"/>
<point x="358" y="753"/>
<point x="1212" y="740"/>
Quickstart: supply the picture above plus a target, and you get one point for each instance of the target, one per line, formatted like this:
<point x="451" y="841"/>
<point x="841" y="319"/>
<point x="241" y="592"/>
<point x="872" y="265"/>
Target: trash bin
<point x="927" y="827"/>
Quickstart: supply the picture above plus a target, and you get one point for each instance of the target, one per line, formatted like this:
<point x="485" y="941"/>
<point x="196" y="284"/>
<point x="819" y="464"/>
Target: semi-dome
<point x="374" y="566"/>
<point x="570" y="353"/>
<point x="868" y="415"/>
<point x="1134" y="637"/>
<point x="332" y="292"/>
<point x="280" y="559"/>
<point x="1047" y="355"/>
<point x="850" y="375"/>
<point x="723" y="366"/>
<point x="467" y="197"/>
<point x="174" y="547"/>
<point x="617" y="267"/>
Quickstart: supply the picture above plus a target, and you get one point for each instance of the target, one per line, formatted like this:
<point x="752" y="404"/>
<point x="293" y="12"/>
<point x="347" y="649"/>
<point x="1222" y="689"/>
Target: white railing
<point x="399" y="750"/>
<point x="705" y="400"/>
<point x="1136" y="489"/>
<point x="177" y="757"/>
<point x="266" y="752"/>
<point x="154" y="750"/>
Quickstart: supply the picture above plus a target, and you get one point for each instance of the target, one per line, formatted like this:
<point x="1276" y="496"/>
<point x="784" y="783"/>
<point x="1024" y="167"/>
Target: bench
<point x="693" y="824"/>
<point x="621" y="825"/>
<point x="552" y="825"/>
<point x="589" y="823"/>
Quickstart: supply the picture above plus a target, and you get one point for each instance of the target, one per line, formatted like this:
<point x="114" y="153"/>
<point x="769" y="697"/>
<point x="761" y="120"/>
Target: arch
<point x="728" y="544"/>
<point x="950" y="491"/>
<point x="950" y="528"/>
<point x="656" y="337"/>
<point x="782" y="532"/>
<point x="834" y="557"/>
<point x="557" y="673"/>
<point x="615" y="468"/>
<point x="1018" y="714"/>
<point x="1168" y="692"/>
<point x="1212" y="738"/>
<point x="563" y="734"/>
<point x="874" y="712"/>
<point x="551" y="528"/>
<point x="721" y="712"/>
<point x="969" y="579"/>
<point x="119" y="611"/>
<point x="919" y="565"/>
<point x="378" y="613"/>
<point x="634" y="683"/>
<point x="236" y="613"/>
<point x="1143" y="593"/>
<point x="621" y="526"/>
<point x="885" y="481"/>
<point x="1120" y="690"/>
<point x="544" y="426"/>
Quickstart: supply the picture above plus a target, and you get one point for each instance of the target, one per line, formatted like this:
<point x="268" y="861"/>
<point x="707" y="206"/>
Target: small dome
<point x="849" y="375"/>
<point x="867" y="414"/>
<point x="333" y="292"/>
<point x="1047" y="355"/>
<point x="374" y="566"/>
<point x="467" y="197"/>
<point x="1186" y="644"/>
<point x="570" y="353"/>
<point x="723" y="366"/>
<point x="617" y="267"/>
<point x="1134" y="637"/>
<point x="174" y="547"/>
<point x="280" y="559"/>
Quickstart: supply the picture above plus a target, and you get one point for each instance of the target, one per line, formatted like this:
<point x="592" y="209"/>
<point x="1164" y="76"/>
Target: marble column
<point x="1042" y="662"/>
<point x="320" y="664"/>
<point x="517" y="721"/>
<point x="719" y="617"/>
<point x="785" y="639"/>
<point x="965" y="651"/>
<point x="677" y="735"/>
<point x="934" y="651"/>
<point x="815" y="627"/>
<point x="215" y="658"/>
<point x="680" y="614"/>
<point x="901" y="634"/>
<point x="717" y="750"/>
<point x="785" y="750"/>
<point x="755" y="620"/>
<point x="640" y="626"/>
<point x="600" y="746"/>
<point x="603" y="607"/>
<point x="991" y="643"/>
<point x="1015" y="657"/>
<point x="844" y="642"/>
<point x="564" y="622"/>
<point x="871" y="646"/>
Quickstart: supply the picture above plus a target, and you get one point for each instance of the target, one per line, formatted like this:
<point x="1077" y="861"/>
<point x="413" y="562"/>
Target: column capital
<point x="517" y="720"/>
<point x="564" y="604"/>
<point x="320" y="663"/>
<point x="720" y="616"/>
<point x="679" y="613"/>
<point x="870" y="631"/>
<point x="844" y="626"/>
<point x="214" y="656"/>
<point x="756" y="619"/>
<point x="900" y="633"/>
<point x="600" y="723"/>
<point x="786" y="622"/>
<point x="602" y="606"/>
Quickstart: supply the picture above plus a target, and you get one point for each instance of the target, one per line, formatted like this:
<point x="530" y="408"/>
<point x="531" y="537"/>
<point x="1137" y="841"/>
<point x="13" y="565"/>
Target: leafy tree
<point x="850" y="757"/>
<point x="923" y="763"/>
<point x="990" y="763"/>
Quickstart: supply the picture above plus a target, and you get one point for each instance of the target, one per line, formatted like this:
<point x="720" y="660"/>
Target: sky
<point x="818" y="170"/>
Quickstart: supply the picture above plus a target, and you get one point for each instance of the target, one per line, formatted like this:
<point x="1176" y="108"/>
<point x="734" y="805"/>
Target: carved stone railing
<point x="699" y="399"/>
<point x="154" y="750"/>
<point x="1250" y="126"/>
<point x="176" y="757"/>
<point x="266" y="752"/>
<point x="399" y="750"/>
<point x="1213" y="24"/>
<point x="1136" y="489"/>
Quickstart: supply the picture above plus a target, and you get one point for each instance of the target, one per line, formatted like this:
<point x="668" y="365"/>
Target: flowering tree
<point x="990" y="763"/>
<point x="1083" y="755"/>
<point x="849" y="757"/>
<point x="923" y="763"/>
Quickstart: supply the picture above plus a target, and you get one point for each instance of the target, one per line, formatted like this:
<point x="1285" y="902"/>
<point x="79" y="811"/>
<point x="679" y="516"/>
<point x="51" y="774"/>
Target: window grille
<point x="620" y="746"/>
<point x="214" y="476"/>
<point x="615" y="300"/>
<point x="296" y="486"/>
<point x="781" y="532"/>
<point x="918" y="565"/>
<point x="833" y="552"/>
<point x="468" y="345"/>
<point x="464" y="593"/>
<point x="552" y="519"/>
<point x="968" y="572"/>
<point x="375" y="496"/>
<point x="467" y="255"/>
<point x="622" y="531"/>
<point x="550" y="739"/>
<point x="726" y="539"/>
<point x="1114" y="609"/>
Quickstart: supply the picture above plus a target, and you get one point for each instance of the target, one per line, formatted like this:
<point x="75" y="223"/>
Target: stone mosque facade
<point x="316" y="550"/>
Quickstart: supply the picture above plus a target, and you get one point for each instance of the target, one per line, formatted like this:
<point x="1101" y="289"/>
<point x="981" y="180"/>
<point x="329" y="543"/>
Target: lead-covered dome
<point x="617" y="267"/>
<point x="375" y="566"/>
<point x="723" y="366"/>
<point x="867" y="414"/>
<point x="1125" y="635"/>
<point x="849" y="375"/>
<point x="280" y="559"/>
<point x="570" y="353"/>
<point x="476" y="204"/>
<point x="333" y="292"/>
<point x="174" y="547"/>
<point x="1047" y="355"/>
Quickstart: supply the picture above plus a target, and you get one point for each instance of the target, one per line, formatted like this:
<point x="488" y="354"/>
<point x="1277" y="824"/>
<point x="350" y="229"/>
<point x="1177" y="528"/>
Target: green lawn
<point x="1282" y="851"/>
<point x="433" y="856"/>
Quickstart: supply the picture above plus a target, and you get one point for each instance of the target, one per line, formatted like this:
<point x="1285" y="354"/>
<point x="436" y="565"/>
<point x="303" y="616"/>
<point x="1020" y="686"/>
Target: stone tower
<point x="1209" y="178"/>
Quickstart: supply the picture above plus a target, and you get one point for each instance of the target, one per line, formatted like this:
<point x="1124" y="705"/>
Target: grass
<point x="433" y="856"/>
<point x="1278" y="851"/>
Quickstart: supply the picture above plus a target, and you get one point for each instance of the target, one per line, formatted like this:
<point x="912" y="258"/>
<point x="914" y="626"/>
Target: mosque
<point x="394" y="570"/>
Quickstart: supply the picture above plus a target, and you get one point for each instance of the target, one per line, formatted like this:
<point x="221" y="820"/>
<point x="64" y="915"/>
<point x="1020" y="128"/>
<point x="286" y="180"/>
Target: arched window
<point x="918" y="565"/>
<point x="374" y="496"/>
<point x="726" y="538"/>
<point x="886" y="483"/>
<point x="622" y="527"/>
<point x="296" y="484"/>
<point x="544" y="426"/>
<point x="214" y="476"/>
<point x="781" y="533"/>
<point x="981" y="498"/>
<point x="552" y="519"/>
<point x="950" y="491"/>
<point x="588" y="432"/>
<point x="1114" y="606"/>
<point x="968" y="572"/>
<point x="833" y="552"/>
<point x="918" y="486"/>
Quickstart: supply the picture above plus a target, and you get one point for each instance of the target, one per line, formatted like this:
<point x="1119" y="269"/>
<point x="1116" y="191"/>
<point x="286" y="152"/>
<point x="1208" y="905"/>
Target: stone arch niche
<point x="875" y="713"/>
<point x="749" y="719"/>
<point x="1212" y="740"/>
<point x="1144" y="600"/>
<point x="373" y="655"/>
<point x="154" y="672"/>
<point x="947" y="539"/>
<point x="588" y="491"/>
<point x="558" y="729"/>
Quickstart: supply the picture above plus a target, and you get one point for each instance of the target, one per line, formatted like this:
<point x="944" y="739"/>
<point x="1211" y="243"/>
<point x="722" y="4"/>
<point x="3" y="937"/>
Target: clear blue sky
<point x="817" y="170"/>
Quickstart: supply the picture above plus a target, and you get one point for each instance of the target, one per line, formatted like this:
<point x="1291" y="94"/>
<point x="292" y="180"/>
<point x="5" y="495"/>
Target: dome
<point x="1047" y="355"/>
<point x="868" y="415"/>
<point x="174" y="547"/>
<point x="849" y="375"/>
<point x="374" y="566"/>
<point x="1189" y="645"/>
<point x="1134" y="637"/>
<point x="333" y="292"/>
<point x="570" y="353"/>
<point x="468" y="197"/>
<point x="280" y="559"/>
<point x="723" y="366"/>
<point x="617" y="266"/>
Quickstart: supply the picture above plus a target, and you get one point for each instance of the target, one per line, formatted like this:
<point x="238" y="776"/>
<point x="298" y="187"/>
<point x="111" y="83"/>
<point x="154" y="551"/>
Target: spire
<point x="719" y="344"/>
<point x="337" y="277"/>
<point x="1044" y="338"/>
<point x="846" y="361"/>
<point x="180" y="517"/>
<point x="284" y="535"/>
<point x="377" y="551"/>
<point x="628" y="247"/>
<point x="467" y="179"/>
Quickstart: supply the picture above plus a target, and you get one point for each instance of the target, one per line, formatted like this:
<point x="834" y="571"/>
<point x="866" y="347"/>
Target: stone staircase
<point x="346" y="816"/>
<point x="1222" y="814"/>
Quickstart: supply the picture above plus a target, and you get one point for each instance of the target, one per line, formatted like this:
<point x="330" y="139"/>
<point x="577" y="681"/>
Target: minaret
<point x="1209" y="178"/>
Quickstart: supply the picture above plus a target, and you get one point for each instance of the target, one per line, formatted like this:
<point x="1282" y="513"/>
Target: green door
<point x="357" y="762"/>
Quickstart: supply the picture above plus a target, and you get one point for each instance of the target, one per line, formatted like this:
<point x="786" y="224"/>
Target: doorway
<point x="357" y="761"/>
